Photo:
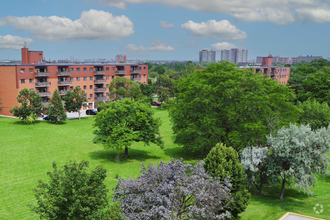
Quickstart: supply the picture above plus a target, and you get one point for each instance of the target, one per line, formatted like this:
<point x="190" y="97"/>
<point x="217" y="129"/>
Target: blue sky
<point x="167" y="29"/>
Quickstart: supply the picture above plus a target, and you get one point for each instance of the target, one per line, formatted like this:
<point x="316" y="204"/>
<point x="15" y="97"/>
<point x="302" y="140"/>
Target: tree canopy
<point x="74" y="100"/>
<point x="122" y="87"/>
<point x="56" y="110"/>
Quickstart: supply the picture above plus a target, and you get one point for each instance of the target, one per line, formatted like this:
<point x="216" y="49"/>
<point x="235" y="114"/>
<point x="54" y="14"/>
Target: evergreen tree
<point x="56" y="110"/>
<point x="75" y="100"/>
<point x="222" y="162"/>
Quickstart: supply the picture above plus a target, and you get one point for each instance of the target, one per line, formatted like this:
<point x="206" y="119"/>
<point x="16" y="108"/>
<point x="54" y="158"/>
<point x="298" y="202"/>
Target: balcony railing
<point x="100" y="90"/>
<point x="135" y="71"/>
<point x="64" y="73"/>
<point x="42" y="74"/>
<point x="121" y="72"/>
<point x="100" y="81"/>
<point x="42" y="84"/>
<point x="44" y="94"/>
<point x="103" y="98"/>
<point x="136" y="79"/>
<point x="62" y="92"/>
<point x="64" y="83"/>
<point x="99" y="73"/>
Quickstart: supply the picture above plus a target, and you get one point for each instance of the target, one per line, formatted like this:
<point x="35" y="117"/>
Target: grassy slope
<point x="27" y="153"/>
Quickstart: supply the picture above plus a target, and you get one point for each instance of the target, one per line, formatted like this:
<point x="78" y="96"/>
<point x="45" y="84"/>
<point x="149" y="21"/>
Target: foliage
<point x="315" y="114"/>
<point x="125" y="121"/>
<point x="30" y="101"/>
<point x="163" y="93"/>
<point x="173" y="191"/>
<point x="56" y="110"/>
<point x="221" y="162"/>
<point x="222" y="104"/>
<point x="31" y="119"/>
<point x="146" y="90"/>
<point x="114" y="212"/>
<point x="75" y="100"/>
<point x="297" y="153"/>
<point x="72" y="193"/>
<point x="165" y="81"/>
<point x="122" y="87"/>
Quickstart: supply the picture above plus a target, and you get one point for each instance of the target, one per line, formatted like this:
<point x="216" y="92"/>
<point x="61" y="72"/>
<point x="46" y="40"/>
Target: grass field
<point x="27" y="153"/>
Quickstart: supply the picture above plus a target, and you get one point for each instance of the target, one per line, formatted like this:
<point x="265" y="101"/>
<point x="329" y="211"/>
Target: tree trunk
<point x="79" y="114"/>
<point x="283" y="189"/>
<point x="126" y="151"/>
<point x="260" y="189"/>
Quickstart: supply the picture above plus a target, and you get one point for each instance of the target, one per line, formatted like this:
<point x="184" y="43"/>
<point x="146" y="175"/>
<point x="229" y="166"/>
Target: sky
<point x="163" y="29"/>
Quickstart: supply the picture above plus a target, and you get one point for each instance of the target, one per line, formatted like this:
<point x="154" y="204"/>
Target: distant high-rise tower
<point x="234" y="55"/>
<point x="207" y="56"/>
<point x="121" y="58"/>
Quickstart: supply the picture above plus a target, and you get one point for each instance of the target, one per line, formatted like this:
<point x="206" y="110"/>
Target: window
<point x="91" y="95"/>
<point x="85" y="95"/>
<point x="139" y="76"/>
<point x="139" y="68"/>
<point x="71" y="88"/>
<point x="90" y="87"/>
<point x="107" y="77"/>
<point x="22" y="70"/>
<point x="30" y="80"/>
<point x="112" y="77"/>
<point x="78" y="87"/>
<point x="71" y="79"/>
<point x="107" y="94"/>
<point x="107" y="85"/>
<point x="91" y="69"/>
<point x="31" y="90"/>
<point x="144" y="76"/>
<point x="107" y="68"/>
<point x="85" y="69"/>
<point x="22" y="80"/>
<point x="40" y="54"/>
<point x="85" y="87"/>
<point x="144" y="68"/>
<point x="90" y="78"/>
<point x="78" y="78"/>
<point x="85" y="78"/>
<point x="113" y="69"/>
<point x="31" y="70"/>
<point x="78" y="69"/>
<point x="71" y="69"/>
<point x="144" y="82"/>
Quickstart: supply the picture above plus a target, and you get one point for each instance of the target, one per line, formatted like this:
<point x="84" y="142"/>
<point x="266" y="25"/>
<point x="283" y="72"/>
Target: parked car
<point x="156" y="103"/>
<point x="91" y="112"/>
<point x="46" y="118"/>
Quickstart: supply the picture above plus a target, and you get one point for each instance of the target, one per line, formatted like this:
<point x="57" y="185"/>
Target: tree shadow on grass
<point x="187" y="154"/>
<point x="21" y="122"/>
<point x="134" y="154"/>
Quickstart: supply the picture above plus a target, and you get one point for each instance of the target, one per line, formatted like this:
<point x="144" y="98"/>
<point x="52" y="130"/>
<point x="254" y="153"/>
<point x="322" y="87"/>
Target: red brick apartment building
<point x="94" y="79"/>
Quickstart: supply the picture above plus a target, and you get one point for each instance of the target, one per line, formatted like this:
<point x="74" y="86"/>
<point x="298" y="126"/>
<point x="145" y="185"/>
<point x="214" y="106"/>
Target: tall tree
<point x="72" y="193"/>
<point x="56" y="110"/>
<point x="146" y="90"/>
<point x="222" y="162"/>
<point x="75" y="100"/>
<point x="173" y="191"/>
<point x="163" y="93"/>
<point x="122" y="87"/>
<point x="125" y="121"/>
<point x="30" y="102"/>
<point x="222" y="104"/>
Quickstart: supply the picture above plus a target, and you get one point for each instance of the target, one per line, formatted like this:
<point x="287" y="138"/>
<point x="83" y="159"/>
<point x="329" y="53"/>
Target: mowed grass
<point x="27" y="153"/>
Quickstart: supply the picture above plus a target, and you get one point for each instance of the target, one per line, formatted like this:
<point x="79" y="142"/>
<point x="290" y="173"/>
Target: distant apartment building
<point x="234" y="55"/>
<point x="207" y="56"/>
<point x="44" y="78"/>
<point x="294" y="60"/>
<point x="306" y="59"/>
<point x="121" y="58"/>
<point x="259" y="60"/>
<point x="283" y="60"/>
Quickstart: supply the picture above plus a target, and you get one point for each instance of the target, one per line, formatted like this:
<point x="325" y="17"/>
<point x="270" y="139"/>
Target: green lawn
<point x="27" y="153"/>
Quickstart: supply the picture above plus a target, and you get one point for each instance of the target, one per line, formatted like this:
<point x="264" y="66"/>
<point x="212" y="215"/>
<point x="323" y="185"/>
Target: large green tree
<point x="146" y="90"/>
<point x="222" y="162"/>
<point x="222" y="104"/>
<point x="75" y="100"/>
<point x="56" y="111"/>
<point x="122" y="87"/>
<point x="30" y="102"/>
<point x="126" y="121"/>
<point x="72" y="193"/>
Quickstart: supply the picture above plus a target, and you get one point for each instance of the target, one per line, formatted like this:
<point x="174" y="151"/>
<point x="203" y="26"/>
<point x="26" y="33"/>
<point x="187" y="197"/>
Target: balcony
<point x="99" y="73"/>
<point x="42" y="74"/>
<point x="103" y="98"/>
<point x="62" y="93"/>
<point x="44" y="94"/>
<point x="99" y="81"/>
<point x="64" y="73"/>
<point x="135" y="71"/>
<point x="64" y="83"/>
<point x="121" y="72"/>
<point x="42" y="84"/>
<point x="100" y="90"/>
<point x="136" y="79"/>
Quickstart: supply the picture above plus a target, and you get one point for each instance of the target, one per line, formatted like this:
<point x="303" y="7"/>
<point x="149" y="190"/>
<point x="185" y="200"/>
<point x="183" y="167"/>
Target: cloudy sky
<point x="163" y="29"/>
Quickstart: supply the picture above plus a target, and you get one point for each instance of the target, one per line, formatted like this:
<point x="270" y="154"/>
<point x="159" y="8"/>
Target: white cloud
<point x="164" y="24"/>
<point x="225" y="46"/>
<point x="156" y="45"/>
<point x="92" y="25"/>
<point x="223" y="30"/>
<point x="14" y="42"/>
<point x="276" y="11"/>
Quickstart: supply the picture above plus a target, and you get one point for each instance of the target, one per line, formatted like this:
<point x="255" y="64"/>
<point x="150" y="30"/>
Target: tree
<point x="297" y="153"/>
<point x="163" y="93"/>
<point x="30" y="101"/>
<point x="31" y="119"/>
<point x="165" y="81"/>
<point x="222" y="162"/>
<point x="315" y="114"/>
<point x="125" y="121"/>
<point x="56" y="110"/>
<point x="122" y="87"/>
<point x="222" y="104"/>
<point x="146" y="90"/>
<point x="72" y="193"/>
<point x="75" y="100"/>
<point x="173" y="191"/>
